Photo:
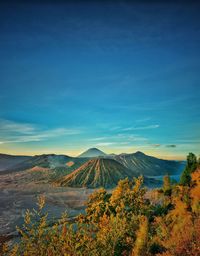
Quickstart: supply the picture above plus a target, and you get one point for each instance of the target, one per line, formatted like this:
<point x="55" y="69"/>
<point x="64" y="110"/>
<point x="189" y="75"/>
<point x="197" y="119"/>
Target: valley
<point x="66" y="182"/>
<point x="16" y="197"/>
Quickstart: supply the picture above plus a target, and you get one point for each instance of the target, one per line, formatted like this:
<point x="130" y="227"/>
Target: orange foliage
<point x="140" y="248"/>
<point x="195" y="191"/>
<point x="121" y="223"/>
<point x="180" y="229"/>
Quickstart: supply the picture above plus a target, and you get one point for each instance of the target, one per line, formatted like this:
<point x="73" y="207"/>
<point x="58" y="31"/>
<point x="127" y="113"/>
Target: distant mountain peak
<point x="92" y="152"/>
<point x="92" y="149"/>
<point x="139" y="153"/>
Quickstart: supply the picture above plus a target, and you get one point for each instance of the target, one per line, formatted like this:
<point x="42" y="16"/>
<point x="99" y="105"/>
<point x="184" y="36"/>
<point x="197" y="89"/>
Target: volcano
<point x="98" y="172"/>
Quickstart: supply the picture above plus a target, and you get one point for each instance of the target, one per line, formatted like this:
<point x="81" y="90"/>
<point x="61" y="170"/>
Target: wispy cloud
<point x="98" y="138"/>
<point x="115" y="128"/>
<point x="14" y="132"/>
<point x="134" y="128"/>
<point x="7" y="126"/>
<point x="132" y="137"/>
<point x="120" y="138"/>
<point x="148" y="127"/>
<point x="104" y="144"/>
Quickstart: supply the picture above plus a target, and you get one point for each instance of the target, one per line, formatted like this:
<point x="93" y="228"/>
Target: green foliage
<point x="190" y="167"/>
<point x="156" y="248"/>
<point x="198" y="162"/>
<point x="185" y="177"/>
<point x="160" y="210"/>
<point x="191" y="162"/>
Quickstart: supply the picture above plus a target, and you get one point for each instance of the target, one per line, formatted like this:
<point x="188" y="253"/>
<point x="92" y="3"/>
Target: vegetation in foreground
<point x="130" y="221"/>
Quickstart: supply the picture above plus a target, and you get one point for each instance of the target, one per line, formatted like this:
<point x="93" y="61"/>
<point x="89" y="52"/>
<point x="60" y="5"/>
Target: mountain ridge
<point x="138" y="162"/>
<point x="148" y="165"/>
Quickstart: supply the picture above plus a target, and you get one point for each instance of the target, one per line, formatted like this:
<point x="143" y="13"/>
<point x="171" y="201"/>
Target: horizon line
<point x="161" y="156"/>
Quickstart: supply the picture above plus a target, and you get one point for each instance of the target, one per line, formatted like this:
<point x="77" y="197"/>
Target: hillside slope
<point x="10" y="161"/>
<point x="148" y="165"/>
<point x="96" y="173"/>
<point x="51" y="161"/>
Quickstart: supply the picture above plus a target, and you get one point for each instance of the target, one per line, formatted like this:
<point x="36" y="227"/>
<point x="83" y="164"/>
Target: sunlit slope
<point x="96" y="173"/>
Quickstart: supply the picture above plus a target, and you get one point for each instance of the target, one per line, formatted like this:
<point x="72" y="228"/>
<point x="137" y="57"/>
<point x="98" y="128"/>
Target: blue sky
<point x="119" y="76"/>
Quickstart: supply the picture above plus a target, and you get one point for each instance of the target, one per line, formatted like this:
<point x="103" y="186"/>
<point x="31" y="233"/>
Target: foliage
<point x="97" y="205"/>
<point x="140" y="248"/>
<point x="167" y="185"/>
<point x="190" y="167"/>
<point x="129" y="222"/>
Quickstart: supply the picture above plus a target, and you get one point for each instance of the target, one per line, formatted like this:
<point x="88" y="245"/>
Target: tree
<point x="185" y="177"/>
<point x="198" y="162"/>
<point x="190" y="167"/>
<point x="167" y="184"/>
<point x="140" y="248"/>
<point x="128" y="197"/>
<point x="97" y="205"/>
<point x="191" y="162"/>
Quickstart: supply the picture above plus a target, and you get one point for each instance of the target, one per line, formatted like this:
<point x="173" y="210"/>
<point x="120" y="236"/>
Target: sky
<point x="122" y="76"/>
